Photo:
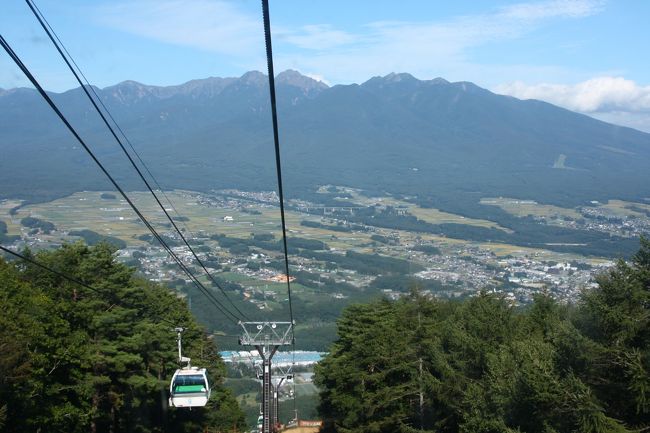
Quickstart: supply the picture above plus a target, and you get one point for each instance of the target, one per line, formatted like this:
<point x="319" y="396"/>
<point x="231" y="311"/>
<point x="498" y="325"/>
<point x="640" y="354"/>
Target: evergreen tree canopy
<point x="483" y="366"/>
<point x="73" y="360"/>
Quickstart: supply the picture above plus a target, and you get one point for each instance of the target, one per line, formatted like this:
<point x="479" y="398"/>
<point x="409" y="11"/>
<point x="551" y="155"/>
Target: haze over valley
<point x="393" y="183"/>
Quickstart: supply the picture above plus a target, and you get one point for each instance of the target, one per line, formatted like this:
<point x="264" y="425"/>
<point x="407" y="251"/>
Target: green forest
<point x="76" y="360"/>
<point x="484" y="366"/>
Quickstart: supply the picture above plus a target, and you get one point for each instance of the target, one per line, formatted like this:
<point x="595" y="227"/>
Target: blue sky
<point x="586" y="55"/>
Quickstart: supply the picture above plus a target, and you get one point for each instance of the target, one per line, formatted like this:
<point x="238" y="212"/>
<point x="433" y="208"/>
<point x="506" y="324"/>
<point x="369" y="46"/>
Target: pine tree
<point x="481" y="365"/>
<point x="75" y="360"/>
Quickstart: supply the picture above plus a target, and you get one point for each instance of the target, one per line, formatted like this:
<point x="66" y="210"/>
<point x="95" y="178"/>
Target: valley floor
<point x="444" y="266"/>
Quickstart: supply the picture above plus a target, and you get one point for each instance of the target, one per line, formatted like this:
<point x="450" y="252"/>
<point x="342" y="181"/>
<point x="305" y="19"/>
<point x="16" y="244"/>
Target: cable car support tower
<point x="266" y="338"/>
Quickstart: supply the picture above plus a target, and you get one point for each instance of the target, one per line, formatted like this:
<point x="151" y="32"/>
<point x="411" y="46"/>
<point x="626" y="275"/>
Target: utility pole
<point x="267" y="337"/>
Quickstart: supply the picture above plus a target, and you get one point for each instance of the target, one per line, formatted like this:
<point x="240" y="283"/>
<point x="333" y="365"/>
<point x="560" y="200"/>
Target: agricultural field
<point x="241" y="219"/>
<point x="87" y="210"/>
<point x="226" y="227"/>
<point x="622" y="208"/>
<point x="614" y="217"/>
<point x="522" y="208"/>
<point x="430" y="215"/>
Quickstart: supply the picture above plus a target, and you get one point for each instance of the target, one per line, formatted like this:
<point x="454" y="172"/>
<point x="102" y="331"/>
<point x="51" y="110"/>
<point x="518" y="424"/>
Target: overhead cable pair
<point x="5" y="45"/>
<point x="60" y="47"/>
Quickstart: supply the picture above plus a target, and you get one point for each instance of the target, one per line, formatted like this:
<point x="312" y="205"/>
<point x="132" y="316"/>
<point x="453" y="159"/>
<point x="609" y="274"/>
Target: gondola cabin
<point x="189" y="388"/>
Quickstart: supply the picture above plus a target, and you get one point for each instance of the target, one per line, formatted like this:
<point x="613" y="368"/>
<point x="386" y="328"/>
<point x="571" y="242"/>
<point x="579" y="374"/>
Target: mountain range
<point x="445" y="144"/>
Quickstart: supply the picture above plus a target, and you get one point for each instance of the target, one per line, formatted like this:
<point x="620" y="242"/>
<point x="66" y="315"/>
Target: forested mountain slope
<point x="433" y="139"/>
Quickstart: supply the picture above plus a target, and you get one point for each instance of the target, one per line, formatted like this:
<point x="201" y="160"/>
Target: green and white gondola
<point x="189" y="387"/>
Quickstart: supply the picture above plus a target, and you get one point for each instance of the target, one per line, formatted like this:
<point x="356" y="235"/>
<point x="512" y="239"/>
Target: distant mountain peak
<point x="127" y="91"/>
<point x="255" y="78"/>
<point x="394" y="79"/>
<point x="403" y="78"/>
<point x="400" y="76"/>
<point x="130" y="83"/>
<point x="295" y="78"/>
<point x="439" y="80"/>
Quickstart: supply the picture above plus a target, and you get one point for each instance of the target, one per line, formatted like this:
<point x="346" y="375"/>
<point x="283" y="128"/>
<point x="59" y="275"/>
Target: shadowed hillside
<point x="433" y="139"/>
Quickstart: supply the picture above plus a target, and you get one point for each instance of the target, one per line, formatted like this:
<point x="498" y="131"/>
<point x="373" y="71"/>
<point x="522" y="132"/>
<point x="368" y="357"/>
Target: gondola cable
<point x="72" y="279"/>
<point x="232" y="317"/>
<point x="193" y="278"/>
<point x="40" y="19"/>
<point x="278" y="166"/>
<point x="276" y="141"/>
<point x="110" y="115"/>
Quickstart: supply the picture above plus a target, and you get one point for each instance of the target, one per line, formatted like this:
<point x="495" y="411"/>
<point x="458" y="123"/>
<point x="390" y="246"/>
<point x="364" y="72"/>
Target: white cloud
<point x="601" y="94"/>
<point x="611" y="99"/>
<point x="425" y="48"/>
<point x="551" y="9"/>
<point x="216" y="26"/>
<point x="316" y="37"/>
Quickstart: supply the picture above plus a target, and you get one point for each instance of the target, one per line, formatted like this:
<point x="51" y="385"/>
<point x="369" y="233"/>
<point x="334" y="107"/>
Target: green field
<point x="524" y="208"/>
<point x="430" y="215"/>
<point x="624" y="208"/>
<point x="87" y="210"/>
